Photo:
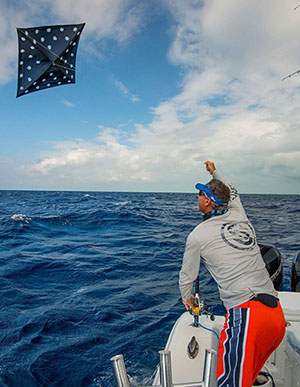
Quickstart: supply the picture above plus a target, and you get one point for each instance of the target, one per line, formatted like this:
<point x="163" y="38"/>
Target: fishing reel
<point x="198" y="307"/>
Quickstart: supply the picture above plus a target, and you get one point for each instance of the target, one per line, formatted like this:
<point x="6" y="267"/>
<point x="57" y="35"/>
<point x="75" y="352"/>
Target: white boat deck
<point x="283" y="364"/>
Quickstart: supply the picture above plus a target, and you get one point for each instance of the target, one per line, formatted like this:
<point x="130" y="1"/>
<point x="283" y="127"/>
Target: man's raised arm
<point x="234" y="196"/>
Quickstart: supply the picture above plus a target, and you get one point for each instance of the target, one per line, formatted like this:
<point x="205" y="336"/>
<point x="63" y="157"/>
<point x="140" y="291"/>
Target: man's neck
<point x="213" y="213"/>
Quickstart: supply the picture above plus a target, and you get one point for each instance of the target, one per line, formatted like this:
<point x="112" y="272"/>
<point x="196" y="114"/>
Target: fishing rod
<point x="198" y="307"/>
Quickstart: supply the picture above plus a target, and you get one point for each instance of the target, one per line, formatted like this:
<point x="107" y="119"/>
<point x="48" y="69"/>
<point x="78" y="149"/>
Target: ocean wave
<point x="87" y="275"/>
<point x="122" y="203"/>
<point x="21" y="218"/>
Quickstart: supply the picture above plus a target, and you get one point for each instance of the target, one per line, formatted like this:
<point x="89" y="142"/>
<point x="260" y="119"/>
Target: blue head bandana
<point x="213" y="198"/>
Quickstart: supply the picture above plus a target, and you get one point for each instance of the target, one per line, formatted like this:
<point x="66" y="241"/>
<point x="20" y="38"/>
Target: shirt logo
<point x="240" y="235"/>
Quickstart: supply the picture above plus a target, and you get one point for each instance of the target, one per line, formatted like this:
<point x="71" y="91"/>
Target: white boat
<point x="189" y="357"/>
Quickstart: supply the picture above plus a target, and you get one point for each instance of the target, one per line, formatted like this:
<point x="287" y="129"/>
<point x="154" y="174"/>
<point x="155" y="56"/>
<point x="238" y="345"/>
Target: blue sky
<point x="161" y="86"/>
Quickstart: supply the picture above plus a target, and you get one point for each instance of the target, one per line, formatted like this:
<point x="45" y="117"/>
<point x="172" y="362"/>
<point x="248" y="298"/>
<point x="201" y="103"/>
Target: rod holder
<point x="120" y="371"/>
<point x="209" y="370"/>
<point x="165" y="369"/>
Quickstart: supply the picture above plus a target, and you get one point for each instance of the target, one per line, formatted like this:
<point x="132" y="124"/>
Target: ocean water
<point x="88" y="275"/>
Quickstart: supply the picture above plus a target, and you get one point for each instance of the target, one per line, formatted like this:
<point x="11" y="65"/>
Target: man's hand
<point x="188" y="304"/>
<point x="210" y="166"/>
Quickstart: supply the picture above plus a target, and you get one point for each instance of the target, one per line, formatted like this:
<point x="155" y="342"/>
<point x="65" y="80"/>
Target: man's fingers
<point x="210" y="166"/>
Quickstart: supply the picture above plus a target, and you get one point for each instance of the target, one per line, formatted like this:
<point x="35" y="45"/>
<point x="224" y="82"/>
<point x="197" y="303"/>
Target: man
<point x="226" y="243"/>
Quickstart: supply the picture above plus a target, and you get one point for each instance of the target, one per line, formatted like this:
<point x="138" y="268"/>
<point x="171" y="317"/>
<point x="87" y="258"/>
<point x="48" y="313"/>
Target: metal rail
<point x="120" y="371"/>
<point x="165" y="371"/>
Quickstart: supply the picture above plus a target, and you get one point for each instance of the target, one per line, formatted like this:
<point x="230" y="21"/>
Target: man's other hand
<point x="210" y="166"/>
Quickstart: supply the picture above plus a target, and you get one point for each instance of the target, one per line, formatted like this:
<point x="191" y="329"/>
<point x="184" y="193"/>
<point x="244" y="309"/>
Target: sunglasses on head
<point x="202" y="193"/>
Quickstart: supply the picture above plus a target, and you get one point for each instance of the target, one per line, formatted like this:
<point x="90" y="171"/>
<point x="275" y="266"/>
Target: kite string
<point x="298" y="71"/>
<point x="290" y="75"/>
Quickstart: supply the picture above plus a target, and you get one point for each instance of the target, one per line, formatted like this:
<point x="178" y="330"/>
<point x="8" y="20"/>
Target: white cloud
<point x="114" y="19"/>
<point x="236" y="54"/>
<point x="232" y="107"/>
<point x="125" y="91"/>
<point x="68" y="103"/>
<point x="237" y="35"/>
<point x="8" y="40"/>
<point x="92" y="162"/>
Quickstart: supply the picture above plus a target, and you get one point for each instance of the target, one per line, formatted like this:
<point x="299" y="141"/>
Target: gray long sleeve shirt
<point x="227" y="245"/>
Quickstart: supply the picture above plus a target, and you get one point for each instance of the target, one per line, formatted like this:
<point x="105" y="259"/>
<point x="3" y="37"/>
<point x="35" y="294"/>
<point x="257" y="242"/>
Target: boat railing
<point x="165" y="371"/>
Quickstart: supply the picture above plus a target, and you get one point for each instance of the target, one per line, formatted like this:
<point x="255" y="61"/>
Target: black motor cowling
<point x="273" y="262"/>
<point x="295" y="275"/>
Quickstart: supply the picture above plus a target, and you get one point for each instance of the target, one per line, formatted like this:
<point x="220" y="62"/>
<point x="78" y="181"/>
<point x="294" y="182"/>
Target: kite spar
<point x="47" y="56"/>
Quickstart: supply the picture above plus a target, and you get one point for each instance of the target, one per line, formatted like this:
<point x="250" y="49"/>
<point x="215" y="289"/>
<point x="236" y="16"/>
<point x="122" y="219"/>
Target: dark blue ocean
<point x="87" y="275"/>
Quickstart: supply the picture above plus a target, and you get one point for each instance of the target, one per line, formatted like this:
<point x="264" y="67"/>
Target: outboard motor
<point x="273" y="261"/>
<point x="295" y="275"/>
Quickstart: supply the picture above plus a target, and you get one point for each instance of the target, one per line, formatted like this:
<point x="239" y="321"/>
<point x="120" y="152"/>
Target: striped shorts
<point x="252" y="331"/>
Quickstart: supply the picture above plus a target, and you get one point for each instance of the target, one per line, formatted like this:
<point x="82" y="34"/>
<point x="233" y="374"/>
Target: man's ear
<point x="208" y="201"/>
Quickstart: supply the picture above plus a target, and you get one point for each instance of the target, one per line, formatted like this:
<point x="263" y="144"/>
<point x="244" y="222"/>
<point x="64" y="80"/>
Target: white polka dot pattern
<point x="47" y="56"/>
